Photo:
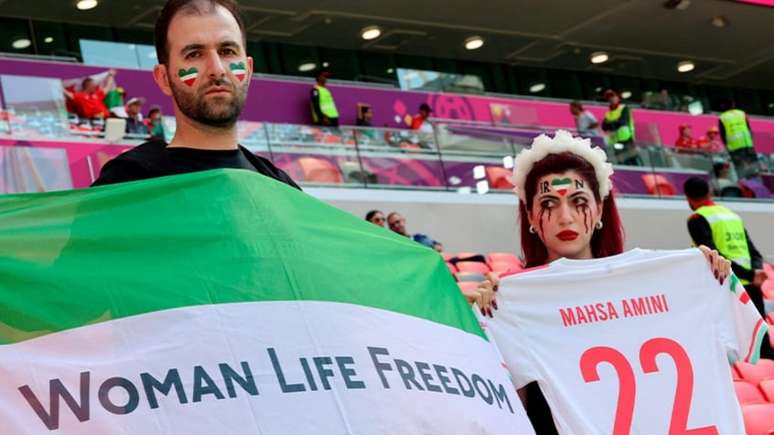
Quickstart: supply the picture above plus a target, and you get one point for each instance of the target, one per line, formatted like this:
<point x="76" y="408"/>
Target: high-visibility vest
<point x="624" y="133"/>
<point x="738" y="135"/>
<point x="728" y="234"/>
<point x="327" y="105"/>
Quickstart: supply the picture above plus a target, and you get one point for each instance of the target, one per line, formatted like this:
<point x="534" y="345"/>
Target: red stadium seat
<point x="768" y="289"/>
<point x="463" y="255"/>
<point x="469" y="277"/>
<point x="767" y="387"/>
<point x="735" y="374"/>
<point x="748" y="393"/>
<point x="769" y="269"/>
<point x="467" y="285"/>
<point x="504" y="267"/>
<point x="657" y="184"/>
<point x="319" y="170"/>
<point x="496" y="257"/>
<point x="447" y="256"/>
<point x="759" y="418"/>
<point x="499" y="177"/>
<point x="451" y="267"/>
<point x="472" y="266"/>
<point x="755" y="373"/>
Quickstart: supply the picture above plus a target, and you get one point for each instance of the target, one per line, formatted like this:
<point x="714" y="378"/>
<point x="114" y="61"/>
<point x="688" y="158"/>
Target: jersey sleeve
<point x="743" y="332"/>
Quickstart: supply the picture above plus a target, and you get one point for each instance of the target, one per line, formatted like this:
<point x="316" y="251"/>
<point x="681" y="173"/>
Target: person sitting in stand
<point x="397" y="223"/>
<point x="155" y="123"/>
<point x="711" y="143"/>
<point x="685" y="140"/>
<point x="418" y="120"/>
<point x="134" y="122"/>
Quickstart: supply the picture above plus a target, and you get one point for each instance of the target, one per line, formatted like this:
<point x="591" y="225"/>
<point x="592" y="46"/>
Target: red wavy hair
<point x="605" y="242"/>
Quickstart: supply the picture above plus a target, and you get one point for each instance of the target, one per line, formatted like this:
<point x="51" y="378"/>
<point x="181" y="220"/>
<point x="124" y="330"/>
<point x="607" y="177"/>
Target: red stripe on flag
<point x="744" y="297"/>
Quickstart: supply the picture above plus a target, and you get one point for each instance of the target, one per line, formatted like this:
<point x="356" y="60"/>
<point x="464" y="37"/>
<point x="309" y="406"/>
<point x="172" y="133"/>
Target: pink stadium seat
<point x="462" y="255"/>
<point x="768" y="289"/>
<point x="759" y="418"/>
<point x="496" y="257"/>
<point x="748" y="393"/>
<point x="735" y="374"/>
<point x="657" y="184"/>
<point x="767" y="387"/>
<point x="467" y="285"/>
<point x="447" y="256"/>
<point x="469" y="277"/>
<point x="755" y="373"/>
<point x="451" y="267"/>
<point x="473" y="266"/>
<point x="769" y="269"/>
<point x="504" y="267"/>
<point x="319" y="170"/>
<point x="499" y="178"/>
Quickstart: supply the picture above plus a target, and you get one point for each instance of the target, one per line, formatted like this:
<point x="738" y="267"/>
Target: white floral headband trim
<point x="562" y="142"/>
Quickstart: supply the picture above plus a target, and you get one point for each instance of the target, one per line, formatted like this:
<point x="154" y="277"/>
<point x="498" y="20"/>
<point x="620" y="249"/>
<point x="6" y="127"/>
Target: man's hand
<point x="760" y="277"/>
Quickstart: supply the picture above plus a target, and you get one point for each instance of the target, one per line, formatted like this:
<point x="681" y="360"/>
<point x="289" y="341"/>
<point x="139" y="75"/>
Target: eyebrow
<point x="199" y="46"/>
<point x="579" y="193"/>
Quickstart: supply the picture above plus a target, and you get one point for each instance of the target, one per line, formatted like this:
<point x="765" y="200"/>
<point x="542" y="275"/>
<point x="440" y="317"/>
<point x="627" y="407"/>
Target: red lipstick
<point x="567" y="235"/>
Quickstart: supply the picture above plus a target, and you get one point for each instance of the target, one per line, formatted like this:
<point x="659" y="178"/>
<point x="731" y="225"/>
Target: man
<point x="324" y="110"/>
<point x="89" y="102"/>
<point x="397" y="223"/>
<point x="685" y="139"/>
<point x="736" y="134"/>
<point x="717" y="227"/>
<point x="585" y="122"/>
<point x="200" y="45"/>
<point x="619" y="126"/>
<point x="154" y="122"/>
<point x="134" y="122"/>
<point x="418" y="121"/>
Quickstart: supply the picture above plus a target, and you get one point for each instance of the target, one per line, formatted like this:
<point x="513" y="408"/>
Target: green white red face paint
<point x="239" y="70"/>
<point x="188" y="76"/>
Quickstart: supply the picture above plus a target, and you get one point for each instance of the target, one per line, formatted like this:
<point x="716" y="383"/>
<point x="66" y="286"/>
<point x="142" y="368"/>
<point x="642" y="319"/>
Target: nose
<point x="216" y="68"/>
<point x="565" y="216"/>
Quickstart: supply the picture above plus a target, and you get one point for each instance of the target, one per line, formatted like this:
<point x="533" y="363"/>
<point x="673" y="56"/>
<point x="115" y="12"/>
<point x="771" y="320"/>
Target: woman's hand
<point x="721" y="267"/>
<point x="484" y="294"/>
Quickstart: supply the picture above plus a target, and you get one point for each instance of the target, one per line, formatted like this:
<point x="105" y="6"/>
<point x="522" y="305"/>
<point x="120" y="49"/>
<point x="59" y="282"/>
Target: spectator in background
<point x="134" y="123"/>
<point x="89" y="102"/>
<point x="365" y="116"/>
<point x="418" y="121"/>
<point x="324" y="110"/>
<point x="736" y="133"/>
<point x="619" y="125"/>
<point x="664" y="101"/>
<point x="397" y="223"/>
<point x="155" y="123"/>
<point x="722" y="179"/>
<point x="710" y="143"/>
<point x="585" y="122"/>
<point x="685" y="139"/>
<point x="376" y="217"/>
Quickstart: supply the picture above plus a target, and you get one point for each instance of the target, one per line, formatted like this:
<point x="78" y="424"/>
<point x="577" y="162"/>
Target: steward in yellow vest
<point x="735" y="131"/>
<point x="324" y="110"/>
<point x="619" y="127"/>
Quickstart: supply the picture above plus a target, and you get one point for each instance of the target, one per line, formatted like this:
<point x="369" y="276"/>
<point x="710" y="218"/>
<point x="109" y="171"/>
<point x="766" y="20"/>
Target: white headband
<point x="562" y="142"/>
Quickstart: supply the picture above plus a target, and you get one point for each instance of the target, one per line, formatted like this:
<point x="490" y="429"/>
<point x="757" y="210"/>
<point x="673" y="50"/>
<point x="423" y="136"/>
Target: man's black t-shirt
<point x="154" y="159"/>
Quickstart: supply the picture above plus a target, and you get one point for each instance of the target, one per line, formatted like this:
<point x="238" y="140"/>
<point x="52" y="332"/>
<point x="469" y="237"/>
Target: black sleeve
<point x="722" y="129"/>
<point x="120" y="170"/>
<point x="315" y="95"/>
<point x="755" y="256"/>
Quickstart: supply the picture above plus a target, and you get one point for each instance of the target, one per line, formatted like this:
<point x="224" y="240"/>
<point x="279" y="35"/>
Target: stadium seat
<point x="755" y="373"/>
<point x="469" y="277"/>
<point x="463" y="255"/>
<point x="452" y="268"/>
<point x="319" y="170"/>
<point x="447" y="256"/>
<point x="758" y="418"/>
<point x="497" y="257"/>
<point x="467" y="285"/>
<point x="499" y="177"/>
<point x="768" y="289"/>
<point x="504" y="267"/>
<point x="472" y="266"/>
<point x="657" y="184"/>
<point x="748" y="393"/>
<point x="769" y="269"/>
<point x="767" y="387"/>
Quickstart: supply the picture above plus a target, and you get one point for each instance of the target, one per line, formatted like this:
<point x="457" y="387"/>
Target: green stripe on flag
<point x="734" y="283"/>
<point x="73" y="258"/>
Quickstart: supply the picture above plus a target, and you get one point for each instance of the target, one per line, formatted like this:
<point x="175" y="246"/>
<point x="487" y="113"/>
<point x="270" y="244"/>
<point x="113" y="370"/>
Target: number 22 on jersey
<point x="627" y="386"/>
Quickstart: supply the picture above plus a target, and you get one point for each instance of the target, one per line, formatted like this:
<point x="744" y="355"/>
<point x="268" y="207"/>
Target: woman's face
<point x="564" y="215"/>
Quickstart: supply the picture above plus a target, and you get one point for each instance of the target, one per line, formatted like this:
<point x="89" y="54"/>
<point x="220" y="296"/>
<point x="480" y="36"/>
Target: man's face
<point x="208" y="71"/>
<point x="133" y="109"/>
<point x="613" y="99"/>
<point x="397" y="223"/>
<point x="89" y="86"/>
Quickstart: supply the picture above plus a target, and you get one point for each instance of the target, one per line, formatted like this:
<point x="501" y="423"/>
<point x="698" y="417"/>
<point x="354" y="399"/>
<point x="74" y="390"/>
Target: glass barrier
<point x="31" y="169"/>
<point x="35" y="106"/>
<point x="118" y="54"/>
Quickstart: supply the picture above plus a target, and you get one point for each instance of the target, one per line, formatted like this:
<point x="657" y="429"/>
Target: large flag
<point x="224" y="302"/>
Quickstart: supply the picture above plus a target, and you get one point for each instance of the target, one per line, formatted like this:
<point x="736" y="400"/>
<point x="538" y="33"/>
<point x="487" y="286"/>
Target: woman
<point x="567" y="210"/>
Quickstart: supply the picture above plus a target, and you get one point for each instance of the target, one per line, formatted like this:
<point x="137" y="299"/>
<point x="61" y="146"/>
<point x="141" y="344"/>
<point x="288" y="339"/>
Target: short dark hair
<point x="321" y="71"/>
<point x="153" y="110"/>
<point x="174" y="7"/>
<point x="86" y="81"/>
<point x="577" y="104"/>
<point x="370" y="215"/>
<point x="425" y="107"/>
<point x="696" y="188"/>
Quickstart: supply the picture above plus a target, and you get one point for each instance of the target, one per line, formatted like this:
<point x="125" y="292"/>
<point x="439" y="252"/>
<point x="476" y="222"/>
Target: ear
<point x="249" y="63"/>
<point x="600" y="208"/>
<point x="161" y="76"/>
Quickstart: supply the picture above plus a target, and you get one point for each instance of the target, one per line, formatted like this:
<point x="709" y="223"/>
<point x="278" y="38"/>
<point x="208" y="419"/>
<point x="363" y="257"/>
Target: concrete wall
<point x="487" y="223"/>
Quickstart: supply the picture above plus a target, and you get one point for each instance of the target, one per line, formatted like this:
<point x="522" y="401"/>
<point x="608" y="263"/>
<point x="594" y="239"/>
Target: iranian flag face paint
<point x="188" y="76"/>
<point x="239" y="70"/>
<point x="561" y="185"/>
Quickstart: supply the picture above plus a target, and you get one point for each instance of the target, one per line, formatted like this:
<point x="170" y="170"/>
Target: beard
<point x="217" y="112"/>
